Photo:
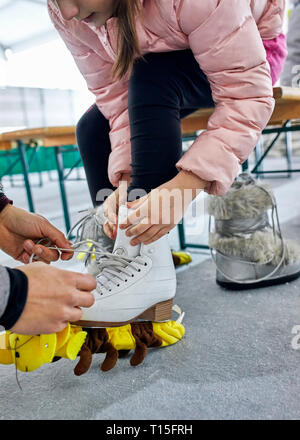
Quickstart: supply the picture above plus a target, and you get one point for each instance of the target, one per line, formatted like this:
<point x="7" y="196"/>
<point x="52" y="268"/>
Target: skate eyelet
<point x="132" y="275"/>
<point x="118" y="285"/>
<point x="145" y="264"/>
<point x="125" y="281"/>
<point x="139" y="270"/>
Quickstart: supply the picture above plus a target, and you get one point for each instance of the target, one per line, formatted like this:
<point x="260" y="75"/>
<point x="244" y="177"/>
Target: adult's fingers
<point x="85" y="282"/>
<point x="74" y="314"/>
<point x="25" y="258"/>
<point x="58" y="239"/>
<point x="83" y="299"/>
<point x="45" y="254"/>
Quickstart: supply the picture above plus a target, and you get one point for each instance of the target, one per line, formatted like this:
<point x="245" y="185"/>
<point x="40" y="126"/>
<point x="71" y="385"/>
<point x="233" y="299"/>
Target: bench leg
<point x="61" y="179"/>
<point x="259" y="151"/>
<point x="288" y="150"/>
<point x="24" y="164"/>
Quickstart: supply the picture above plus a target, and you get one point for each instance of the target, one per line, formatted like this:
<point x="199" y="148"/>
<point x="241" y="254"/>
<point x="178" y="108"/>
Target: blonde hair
<point x="128" y="44"/>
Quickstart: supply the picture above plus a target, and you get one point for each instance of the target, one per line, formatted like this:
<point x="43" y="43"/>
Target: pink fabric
<point x="226" y="39"/>
<point x="276" y="50"/>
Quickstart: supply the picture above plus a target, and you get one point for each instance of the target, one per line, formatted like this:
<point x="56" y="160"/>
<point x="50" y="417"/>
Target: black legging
<point x="162" y="91"/>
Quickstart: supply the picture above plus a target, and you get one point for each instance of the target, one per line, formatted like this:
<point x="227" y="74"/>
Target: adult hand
<point x="19" y="229"/>
<point x="112" y="204"/>
<point x="155" y="214"/>
<point x="54" y="298"/>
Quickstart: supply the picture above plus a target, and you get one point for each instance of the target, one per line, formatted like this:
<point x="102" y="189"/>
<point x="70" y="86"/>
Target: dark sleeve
<point x="3" y="199"/>
<point x="17" y="298"/>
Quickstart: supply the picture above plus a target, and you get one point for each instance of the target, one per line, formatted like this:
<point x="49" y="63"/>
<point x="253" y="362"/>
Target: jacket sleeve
<point x="276" y="51"/>
<point x="270" y="26"/>
<point x="111" y="97"/>
<point x="225" y="40"/>
<point x="270" y="23"/>
<point x="4" y="292"/>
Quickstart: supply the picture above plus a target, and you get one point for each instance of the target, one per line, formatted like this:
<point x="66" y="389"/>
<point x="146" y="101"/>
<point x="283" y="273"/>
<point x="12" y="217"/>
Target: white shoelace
<point x="81" y="224"/>
<point x="112" y="266"/>
<point x="115" y="268"/>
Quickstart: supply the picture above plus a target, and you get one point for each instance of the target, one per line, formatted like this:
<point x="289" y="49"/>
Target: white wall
<point x="49" y="66"/>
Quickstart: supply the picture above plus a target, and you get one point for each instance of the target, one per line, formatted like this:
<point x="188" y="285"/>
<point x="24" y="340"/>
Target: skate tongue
<point x="122" y="245"/>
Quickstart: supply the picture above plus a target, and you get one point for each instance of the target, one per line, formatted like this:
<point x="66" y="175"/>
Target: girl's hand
<point x="111" y="206"/>
<point x="158" y="212"/>
<point x="20" y="229"/>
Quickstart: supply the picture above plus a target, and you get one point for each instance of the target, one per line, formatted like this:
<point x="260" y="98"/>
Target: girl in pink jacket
<point x="152" y="62"/>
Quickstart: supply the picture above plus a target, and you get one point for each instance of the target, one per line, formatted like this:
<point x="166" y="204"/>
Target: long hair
<point x="128" y="44"/>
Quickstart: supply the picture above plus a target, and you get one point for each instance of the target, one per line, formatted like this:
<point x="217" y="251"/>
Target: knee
<point x="91" y="123"/>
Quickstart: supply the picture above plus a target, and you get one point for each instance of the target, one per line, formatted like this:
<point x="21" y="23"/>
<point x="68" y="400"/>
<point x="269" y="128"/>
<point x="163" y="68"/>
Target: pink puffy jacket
<point x="231" y="40"/>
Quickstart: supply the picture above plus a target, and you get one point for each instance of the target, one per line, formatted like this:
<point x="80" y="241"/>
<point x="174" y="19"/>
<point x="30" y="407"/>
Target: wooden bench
<point x="57" y="137"/>
<point x="287" y="107"/>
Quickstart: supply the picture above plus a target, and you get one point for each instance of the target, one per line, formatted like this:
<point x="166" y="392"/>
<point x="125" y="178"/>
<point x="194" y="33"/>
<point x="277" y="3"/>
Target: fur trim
<point x="260" y="247"/>
<point x="241" y="201"/>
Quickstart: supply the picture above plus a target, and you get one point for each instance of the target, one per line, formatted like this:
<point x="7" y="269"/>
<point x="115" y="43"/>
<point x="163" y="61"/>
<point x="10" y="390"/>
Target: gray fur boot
<point x="246" y="245"/>
<point x="90" y="229"/>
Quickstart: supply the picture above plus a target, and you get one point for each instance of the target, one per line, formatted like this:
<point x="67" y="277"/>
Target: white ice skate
<point x="134" y="282"/>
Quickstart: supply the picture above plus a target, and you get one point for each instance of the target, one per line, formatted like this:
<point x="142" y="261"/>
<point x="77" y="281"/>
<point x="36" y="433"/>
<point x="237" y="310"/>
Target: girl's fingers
<point x="111" y="214"/>
<point x="111" y="208"/>
<point x="146" y="235"/>
<point x="140" y="228"/>
<point x="157" y="235"/>
<point x="136" y="216"/>
<point x="109" y="229"/>
<point x="123" y="193"/>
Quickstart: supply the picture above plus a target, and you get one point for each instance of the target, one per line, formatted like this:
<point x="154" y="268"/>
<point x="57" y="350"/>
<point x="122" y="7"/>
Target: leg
<point x="92" y="133"/>
<point x="162" y="90"/>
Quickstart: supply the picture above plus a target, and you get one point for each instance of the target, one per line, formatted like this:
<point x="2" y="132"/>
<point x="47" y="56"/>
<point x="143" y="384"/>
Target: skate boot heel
<point x="160" y="312"/>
